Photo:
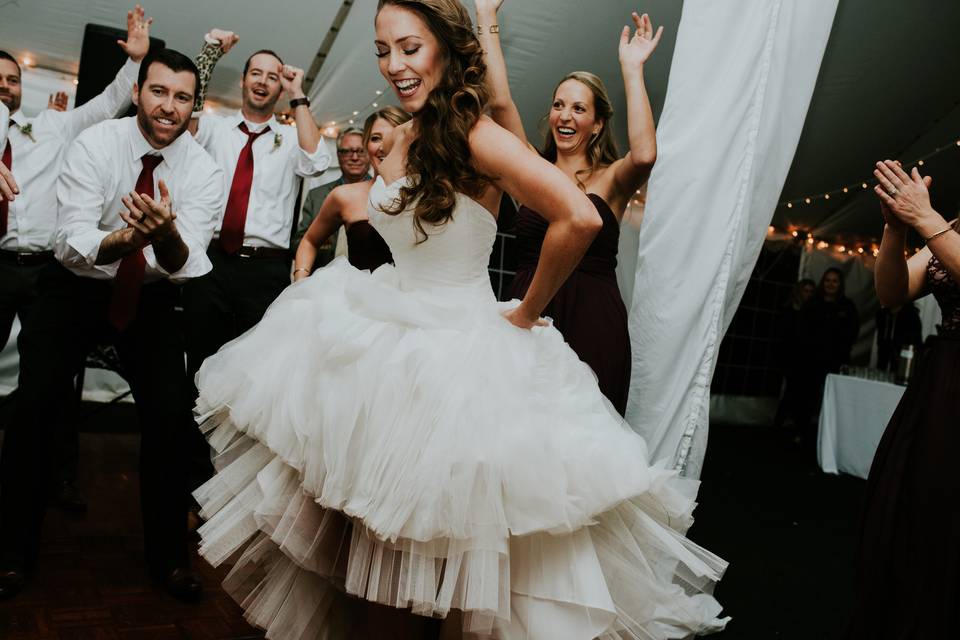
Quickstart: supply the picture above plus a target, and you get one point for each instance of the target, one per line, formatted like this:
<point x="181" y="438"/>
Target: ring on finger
<point x="893" y="191"/>
<point x="143" y="216"/>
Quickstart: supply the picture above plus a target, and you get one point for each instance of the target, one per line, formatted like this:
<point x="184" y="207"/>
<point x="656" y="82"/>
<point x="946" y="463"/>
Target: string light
<point x="806" y="239"/>
<point x="919" y="162"/>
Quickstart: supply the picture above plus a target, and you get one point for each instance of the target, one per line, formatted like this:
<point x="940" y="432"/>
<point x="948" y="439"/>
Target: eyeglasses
<point x="351" y="152"/>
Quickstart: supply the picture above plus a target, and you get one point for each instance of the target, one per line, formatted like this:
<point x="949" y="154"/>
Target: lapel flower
<point x="27" y="130"/>
<point x="277" y="141"/>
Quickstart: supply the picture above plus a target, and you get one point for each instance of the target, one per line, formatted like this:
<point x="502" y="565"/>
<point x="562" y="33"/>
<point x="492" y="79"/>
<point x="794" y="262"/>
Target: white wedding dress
<point x="390" y="436"/>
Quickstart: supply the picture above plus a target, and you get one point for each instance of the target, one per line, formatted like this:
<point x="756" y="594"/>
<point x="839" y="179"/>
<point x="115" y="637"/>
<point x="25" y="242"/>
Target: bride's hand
<point x="518" y="318"/>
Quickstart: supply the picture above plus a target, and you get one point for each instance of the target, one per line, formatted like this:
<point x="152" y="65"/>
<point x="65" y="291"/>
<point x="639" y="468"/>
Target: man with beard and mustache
<point x="34" y="151"/>
<point x="138" y="201"/>
<point x="263" y="164"/>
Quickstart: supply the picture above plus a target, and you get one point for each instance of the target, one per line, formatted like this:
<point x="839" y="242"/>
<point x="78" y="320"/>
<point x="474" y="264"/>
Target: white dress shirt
<point x="4" y="121"/>
<point x="102" y="166"/>
<point x="37" y="158"/>
<point x="278" y="165"/>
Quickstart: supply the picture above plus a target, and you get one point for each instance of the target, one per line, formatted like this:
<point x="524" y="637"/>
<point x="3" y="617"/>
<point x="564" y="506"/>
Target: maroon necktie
<point x="235" y="216"/>
<point x="5" y="205"/>
<point x="129" y="279"/>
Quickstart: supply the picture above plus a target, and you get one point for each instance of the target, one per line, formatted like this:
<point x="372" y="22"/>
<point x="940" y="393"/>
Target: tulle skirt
<point x="415" y="449"/>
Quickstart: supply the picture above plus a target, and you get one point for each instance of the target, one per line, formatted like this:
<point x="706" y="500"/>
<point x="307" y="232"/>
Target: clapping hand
<point x="226" y="38"/>
<point x="291" y="79"/>
<point x="635" y="51"/>
<point x="904" y="199"/>
<point x="153" y="219"/>
<point x="137" y="43"/>
<point x="58" y="101"/>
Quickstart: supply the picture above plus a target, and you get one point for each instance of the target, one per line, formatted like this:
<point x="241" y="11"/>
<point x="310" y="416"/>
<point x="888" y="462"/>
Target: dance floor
<point x="788" y="530"/>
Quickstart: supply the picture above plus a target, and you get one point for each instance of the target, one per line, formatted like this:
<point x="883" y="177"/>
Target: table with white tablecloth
<point x="854" y="414"/>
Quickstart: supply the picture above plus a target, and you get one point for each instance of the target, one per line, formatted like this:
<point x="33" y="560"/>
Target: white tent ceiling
<point x="888" y="86"/>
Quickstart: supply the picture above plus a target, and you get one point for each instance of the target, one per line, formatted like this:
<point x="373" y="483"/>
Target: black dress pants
<point x="219" y="307"/>
<point x="18" y="295"/>
<point x="69" y="317"/>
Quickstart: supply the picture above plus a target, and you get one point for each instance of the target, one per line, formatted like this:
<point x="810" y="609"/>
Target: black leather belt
<point x="26" y="258"/>
<point x="254" y="252"/>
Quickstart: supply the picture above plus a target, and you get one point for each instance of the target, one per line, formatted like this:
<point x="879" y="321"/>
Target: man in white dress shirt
<point x="28" y="221"/>
<point x="263" y="164"/>
<point x="138" y="201"/>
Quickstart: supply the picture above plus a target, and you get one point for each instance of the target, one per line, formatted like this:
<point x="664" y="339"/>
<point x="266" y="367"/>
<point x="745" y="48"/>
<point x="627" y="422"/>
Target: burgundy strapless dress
<point x="588" y="309"/>
<point x="365" y="248"/>
<point x="908" y="564"/>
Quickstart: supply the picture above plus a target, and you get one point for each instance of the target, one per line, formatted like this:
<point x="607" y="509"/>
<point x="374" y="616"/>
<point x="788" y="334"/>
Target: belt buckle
<point x="23" y="258"/>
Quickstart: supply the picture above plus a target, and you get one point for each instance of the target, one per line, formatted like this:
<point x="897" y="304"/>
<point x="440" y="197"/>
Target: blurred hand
<point x="58" y="101"/>
<point x="226" y="38"/>
<point x="138" y="34"/>
<point x="291" y="78"/>
<point x="635" y="51"/>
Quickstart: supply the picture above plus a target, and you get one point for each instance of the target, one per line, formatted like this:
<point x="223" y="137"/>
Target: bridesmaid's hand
<point x="634" y="52"/>
<point x="518" y="318"/>
<point x="907" y="197"/>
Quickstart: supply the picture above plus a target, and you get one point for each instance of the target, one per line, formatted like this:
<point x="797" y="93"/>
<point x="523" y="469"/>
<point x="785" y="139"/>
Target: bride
<point x="398" y="446"/>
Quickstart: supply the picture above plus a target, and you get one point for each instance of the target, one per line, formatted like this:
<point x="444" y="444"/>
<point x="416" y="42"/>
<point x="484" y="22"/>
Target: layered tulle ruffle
<point x="416" y="450"/>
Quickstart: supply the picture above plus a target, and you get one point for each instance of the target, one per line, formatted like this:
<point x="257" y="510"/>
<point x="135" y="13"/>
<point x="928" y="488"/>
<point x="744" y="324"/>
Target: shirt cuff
<point x="196" y="265"/>
<point x="310" y="165"/>
<point x="79" y="253"/>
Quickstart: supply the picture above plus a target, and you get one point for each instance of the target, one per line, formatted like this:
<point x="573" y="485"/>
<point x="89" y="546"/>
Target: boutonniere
<point x="277" y="141"/>
<point x="27" y="130"/>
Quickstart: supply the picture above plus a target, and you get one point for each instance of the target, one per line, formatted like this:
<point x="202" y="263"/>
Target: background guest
<point x="262" y="163"/>
<point x="34" y="152"/>
<point x="790" y="350"/>
<point x="123" y="243"/>
<point x="354" y="167"/>
<point x="588" y="309"/>
<point x="896" y="328"/>
<point x="346" y="207"/>
<point x="907" y="583"/>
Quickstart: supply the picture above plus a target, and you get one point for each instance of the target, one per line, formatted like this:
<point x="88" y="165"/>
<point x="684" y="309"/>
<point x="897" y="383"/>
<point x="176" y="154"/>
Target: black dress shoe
<point x="183" y="584"/>
<point x="12" y="582"/>
<point x="68" y="497"/>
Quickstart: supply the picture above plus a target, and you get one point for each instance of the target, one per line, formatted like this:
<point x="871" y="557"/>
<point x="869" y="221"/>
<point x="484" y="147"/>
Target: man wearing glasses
<point x="354" y="167"/>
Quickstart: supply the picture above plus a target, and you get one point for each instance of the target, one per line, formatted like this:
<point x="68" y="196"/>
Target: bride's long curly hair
<point x="439" y="158"/>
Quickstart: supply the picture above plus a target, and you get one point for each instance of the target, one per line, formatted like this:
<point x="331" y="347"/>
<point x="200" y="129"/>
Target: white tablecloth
<point x="852" y="419"/>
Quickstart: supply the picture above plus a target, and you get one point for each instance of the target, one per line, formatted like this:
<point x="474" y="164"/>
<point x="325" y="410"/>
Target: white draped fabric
<point x="742" y="77"/>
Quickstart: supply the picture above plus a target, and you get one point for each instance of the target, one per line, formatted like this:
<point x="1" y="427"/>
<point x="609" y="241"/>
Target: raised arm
<point x="314" y="157"/>
<point x="907" y="197"/>
<point x="573" y="219"/>
<point x="116" y="97"/>
<point x="327" y="221"/>
<point x="502" y="108"/>
<point x="631" y="171"/>
<point x="215" y="45"/>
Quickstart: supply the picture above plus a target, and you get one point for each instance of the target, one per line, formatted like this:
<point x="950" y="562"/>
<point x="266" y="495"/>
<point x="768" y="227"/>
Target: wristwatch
<point x="296" y="102"/>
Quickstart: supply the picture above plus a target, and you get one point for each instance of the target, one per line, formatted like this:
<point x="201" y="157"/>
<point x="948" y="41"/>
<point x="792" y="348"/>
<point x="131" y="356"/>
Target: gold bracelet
<point x="939" y="233"/>
<point x="494" y="28"/>
<point x="301" y="269"/>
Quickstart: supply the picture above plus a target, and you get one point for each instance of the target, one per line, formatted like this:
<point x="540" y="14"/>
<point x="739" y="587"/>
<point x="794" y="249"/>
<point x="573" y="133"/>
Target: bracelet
<point x="494" y="28"/>
<point x="939" y="233"/>
<point x="296" y="102"/>
<point x="300" y="269"/>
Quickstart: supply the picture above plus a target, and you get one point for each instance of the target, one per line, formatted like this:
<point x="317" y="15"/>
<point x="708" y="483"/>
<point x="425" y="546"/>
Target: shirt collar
<point x="254" y="127"/>
<point x="140" y="147"/>
<point x="20" y="119"/>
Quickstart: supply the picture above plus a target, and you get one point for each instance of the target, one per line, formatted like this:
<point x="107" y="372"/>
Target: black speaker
<point x="100" y="60"/>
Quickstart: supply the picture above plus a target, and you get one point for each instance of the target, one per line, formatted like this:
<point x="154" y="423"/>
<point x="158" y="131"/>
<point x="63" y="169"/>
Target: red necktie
<point x="129" y="278"/>
<point x="235" y="216"/>
<point x="5" y="205"/>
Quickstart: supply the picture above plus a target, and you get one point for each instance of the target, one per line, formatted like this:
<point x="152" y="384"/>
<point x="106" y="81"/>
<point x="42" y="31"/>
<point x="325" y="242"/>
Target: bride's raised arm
<point x="574" y="221"/>
<point x="502" y="108"/>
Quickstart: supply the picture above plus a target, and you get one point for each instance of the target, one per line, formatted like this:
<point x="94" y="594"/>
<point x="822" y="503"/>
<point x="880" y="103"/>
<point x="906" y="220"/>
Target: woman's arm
<point x="908" y="198"/>
<point x="502" y="108"/>
<point x="573" y="219"/>
<point x="631" y="171"/>
<point x="327" y="221"/>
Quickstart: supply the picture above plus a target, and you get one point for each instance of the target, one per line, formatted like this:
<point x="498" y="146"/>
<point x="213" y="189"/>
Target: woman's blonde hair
<point x="394" y="115"/>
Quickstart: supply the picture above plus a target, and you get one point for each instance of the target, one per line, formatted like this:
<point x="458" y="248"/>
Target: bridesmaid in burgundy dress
<point x="588" y="309"/>
<point x="908" y="564"/>
<point x="347" y="206"/>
